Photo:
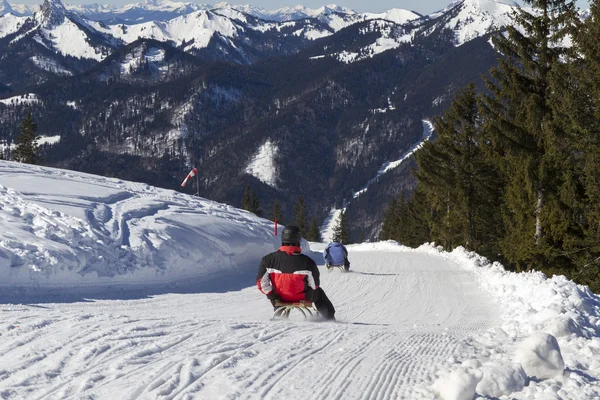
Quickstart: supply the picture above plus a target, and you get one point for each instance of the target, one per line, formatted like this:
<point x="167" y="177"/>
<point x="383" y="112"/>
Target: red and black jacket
<point x="288" y="273"/>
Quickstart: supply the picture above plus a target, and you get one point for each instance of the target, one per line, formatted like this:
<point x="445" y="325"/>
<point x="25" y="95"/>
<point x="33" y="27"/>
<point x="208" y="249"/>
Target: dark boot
<point x="275" y="308"/>
<point x="323" y="304"/>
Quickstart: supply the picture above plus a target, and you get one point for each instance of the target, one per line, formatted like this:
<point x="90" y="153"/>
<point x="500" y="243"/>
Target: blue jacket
<point x="335" y="253"/>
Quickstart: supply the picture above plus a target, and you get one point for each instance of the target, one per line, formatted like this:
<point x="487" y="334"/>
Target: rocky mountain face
<point x="310" y="107"/>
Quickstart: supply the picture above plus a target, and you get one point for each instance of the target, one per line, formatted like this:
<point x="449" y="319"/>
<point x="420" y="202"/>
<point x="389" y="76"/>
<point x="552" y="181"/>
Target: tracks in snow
<point x="403" y="317"/>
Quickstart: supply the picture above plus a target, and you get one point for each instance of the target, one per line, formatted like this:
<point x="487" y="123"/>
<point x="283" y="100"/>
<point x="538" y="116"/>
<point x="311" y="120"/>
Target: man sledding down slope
<point x="288" y="275"/>
<point x="336" y="254"/>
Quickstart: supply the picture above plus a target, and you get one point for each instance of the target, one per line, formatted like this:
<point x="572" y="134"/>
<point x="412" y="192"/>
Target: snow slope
<point x="473" y="18"/>
<point x="70" y="229"/>
<point x="10" y="23"/>
<point x="197" y="27"/>
<point x="179" y="316"/>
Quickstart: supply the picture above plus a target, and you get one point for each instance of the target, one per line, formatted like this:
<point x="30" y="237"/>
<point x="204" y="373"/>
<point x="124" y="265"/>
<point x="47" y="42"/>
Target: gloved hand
<point x="273" y="296"/>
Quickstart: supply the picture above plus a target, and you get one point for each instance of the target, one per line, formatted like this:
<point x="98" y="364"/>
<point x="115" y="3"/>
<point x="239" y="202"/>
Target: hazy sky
<point x="376" y="6"/>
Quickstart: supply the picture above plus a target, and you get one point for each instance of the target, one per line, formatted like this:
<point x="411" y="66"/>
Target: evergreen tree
<point x="395" y="219"/>
<point x="436" y="174"/>
<point x="340" y="229"/>
<point x="575" y="99"/>
<point x="276" y="214"/>
<point x="461" y="185"/>
<point x="402" y="219"/>
<point x="390" y="219"/>
<point x="255" y="204"/>
<point x="413" y="227"/>
<point x="300" y="215"/>
<point x="314" y="235"/>
<point x="518" y="122"/>
<point x="26" y="149"/>
<point x="247" y="200"/>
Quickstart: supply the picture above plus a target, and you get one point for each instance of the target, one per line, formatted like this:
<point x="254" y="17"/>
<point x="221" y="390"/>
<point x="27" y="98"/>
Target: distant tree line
<point x="310" y="231"/>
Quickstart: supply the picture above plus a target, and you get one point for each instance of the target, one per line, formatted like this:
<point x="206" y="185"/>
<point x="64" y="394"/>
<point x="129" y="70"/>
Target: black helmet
<point x="291" y="235"/>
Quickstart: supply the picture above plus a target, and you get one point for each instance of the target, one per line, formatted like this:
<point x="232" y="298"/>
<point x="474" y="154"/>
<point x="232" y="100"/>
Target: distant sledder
<point x="290" y="279"/>
<point x="336" y="256"/>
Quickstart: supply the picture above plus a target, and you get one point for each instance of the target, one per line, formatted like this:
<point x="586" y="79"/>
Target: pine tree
<point x="314" y="235"/>
<point x="436" y="173"/>
<point x="461" y="185"/>
<point x="413" y="227"/>
<point x="345" y="234"/>
<point x="340" y="229"/>
<point x="246" y="200"/>
<point x="390" y="219"/>
<point x="276" y="214"/>
<point x="300" y="215"/>
<point x="26" y="149"/>
<point x="518" y="122"/>
<point x="575" y="99"/>
<point x="402" y="219"/>
<point x="255" y="204"/>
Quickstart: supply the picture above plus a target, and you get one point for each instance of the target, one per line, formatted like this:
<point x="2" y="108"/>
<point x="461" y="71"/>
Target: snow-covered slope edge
<point x="66" y="229"/>
<point x="531" y="304"/>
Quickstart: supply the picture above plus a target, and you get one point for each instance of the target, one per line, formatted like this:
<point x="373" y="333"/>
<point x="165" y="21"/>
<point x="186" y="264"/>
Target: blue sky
<point x="420" y="6"/>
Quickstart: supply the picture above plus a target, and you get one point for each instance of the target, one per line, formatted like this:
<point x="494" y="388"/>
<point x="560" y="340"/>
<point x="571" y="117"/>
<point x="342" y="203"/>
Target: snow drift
<point x="63" y="229"/>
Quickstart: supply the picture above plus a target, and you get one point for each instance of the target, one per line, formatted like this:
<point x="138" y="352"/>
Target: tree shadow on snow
<point x="370" y="273"/>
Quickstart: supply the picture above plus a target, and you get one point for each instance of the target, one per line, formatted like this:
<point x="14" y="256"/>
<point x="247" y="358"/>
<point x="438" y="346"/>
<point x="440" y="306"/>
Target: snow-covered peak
<point x="24" y="9"/>
<point x="472" y="18"/>
<point x="87" y="9"/>
<point x="232" y="13"/>
<point x="298" y="12"/>
<point x="490" y="6"/>
<point x="196" y="29"/>
<point x="289" y="13"/>
<point x="331" y="8"/>
<point x="52" y="13"/>
<point x="144" y="11"/>
<point x="397" y="15"/>
<point x="165" y="5"/>
<point x="10" y="23"/>
<point x="59" y="30"/>
<point x="5" y="8"/>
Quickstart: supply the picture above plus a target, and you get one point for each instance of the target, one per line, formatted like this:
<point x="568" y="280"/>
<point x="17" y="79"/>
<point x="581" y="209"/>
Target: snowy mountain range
<point x="182" y="85"/>
<point x="195" y="25"/>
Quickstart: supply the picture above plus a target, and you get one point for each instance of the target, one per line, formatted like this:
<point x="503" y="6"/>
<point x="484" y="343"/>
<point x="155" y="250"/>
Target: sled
<point x="341" y="267"/>
<point x="284" y="309"/>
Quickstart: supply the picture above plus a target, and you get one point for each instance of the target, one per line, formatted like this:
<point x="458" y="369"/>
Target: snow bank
<point x="501" y="379"/>
<point x="548" y="346"/>
<point x="460" y="384"/>
<point x="540" y="356"/>
<point x="65" y="229"/>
